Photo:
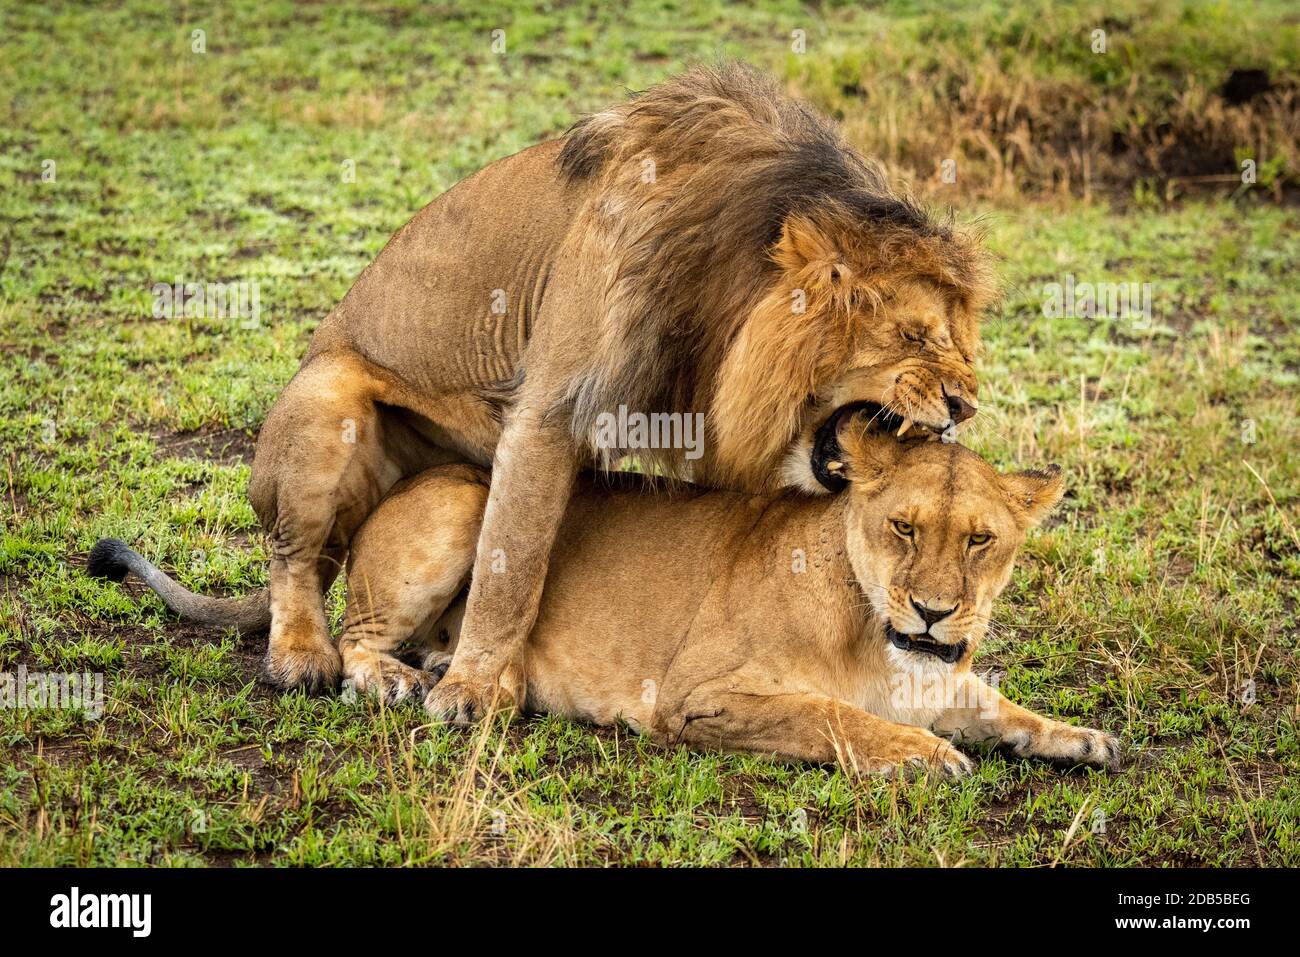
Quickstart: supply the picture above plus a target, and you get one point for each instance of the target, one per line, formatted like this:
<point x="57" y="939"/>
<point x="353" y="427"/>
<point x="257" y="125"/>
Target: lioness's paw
<point x="917" y="750"/>
<point x="950" y="762"/>
<point x="436" y="663"/>
<point x="1067" y="744"/>
<point x="387" y="678"/>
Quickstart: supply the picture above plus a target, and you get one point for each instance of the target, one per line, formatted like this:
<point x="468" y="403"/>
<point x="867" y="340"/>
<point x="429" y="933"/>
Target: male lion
<point x="709" y="246"/>
<point x="814" y="629"/>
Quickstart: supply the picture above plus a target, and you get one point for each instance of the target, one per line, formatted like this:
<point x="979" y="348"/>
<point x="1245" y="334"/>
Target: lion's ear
<point x="803" y="244"/>
<point x="1033" y="494"/>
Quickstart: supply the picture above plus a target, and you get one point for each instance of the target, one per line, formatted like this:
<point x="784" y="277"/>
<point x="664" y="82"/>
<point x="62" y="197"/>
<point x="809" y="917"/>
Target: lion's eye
<point x="980" y="538"/>
<point x="903" y="528"/>
<point x="911" y="336"/>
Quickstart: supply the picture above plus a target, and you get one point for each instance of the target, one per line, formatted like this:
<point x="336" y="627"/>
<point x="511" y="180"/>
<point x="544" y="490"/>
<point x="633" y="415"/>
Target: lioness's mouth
<point x="925" y="645"/>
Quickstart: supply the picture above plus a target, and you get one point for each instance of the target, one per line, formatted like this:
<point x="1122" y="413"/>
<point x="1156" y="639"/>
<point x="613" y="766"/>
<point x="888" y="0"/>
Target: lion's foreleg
<point x="391" y="604"/>
<point x="532" y="477"/>
<point x="409" y="561"/>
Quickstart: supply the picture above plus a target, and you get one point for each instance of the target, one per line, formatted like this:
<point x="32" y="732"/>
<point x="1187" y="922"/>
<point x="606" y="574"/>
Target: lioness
<point x="709" y="246"/>
<point x="814" y="629"/>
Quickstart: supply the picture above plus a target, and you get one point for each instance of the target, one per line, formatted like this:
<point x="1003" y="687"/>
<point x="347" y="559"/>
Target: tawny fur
<point x="748" y="623"/>
<point x="651" y="258"/>
<point x="718" y="198"/>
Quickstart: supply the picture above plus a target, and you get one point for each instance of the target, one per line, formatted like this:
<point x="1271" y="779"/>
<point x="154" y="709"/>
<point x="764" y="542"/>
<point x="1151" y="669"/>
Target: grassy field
<point x="1161" y="603"/>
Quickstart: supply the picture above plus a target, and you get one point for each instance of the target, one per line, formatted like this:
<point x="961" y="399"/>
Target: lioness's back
<point x="629" y="573"/>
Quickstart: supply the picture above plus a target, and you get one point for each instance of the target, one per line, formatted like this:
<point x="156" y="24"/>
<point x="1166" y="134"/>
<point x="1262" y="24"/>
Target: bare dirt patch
<point x="223" y="446"/>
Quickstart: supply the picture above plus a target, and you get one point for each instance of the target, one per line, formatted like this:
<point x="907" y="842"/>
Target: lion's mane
<point x="705" y="189"/>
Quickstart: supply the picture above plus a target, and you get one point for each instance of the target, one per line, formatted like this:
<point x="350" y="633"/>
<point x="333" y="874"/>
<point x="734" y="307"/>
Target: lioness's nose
<point x="959" y="408"/>
<point x="929" y="615"/>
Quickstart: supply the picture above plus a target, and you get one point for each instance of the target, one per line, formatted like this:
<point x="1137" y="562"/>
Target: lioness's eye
<point x="903" y="528"/>
<point x="981" y="538"/>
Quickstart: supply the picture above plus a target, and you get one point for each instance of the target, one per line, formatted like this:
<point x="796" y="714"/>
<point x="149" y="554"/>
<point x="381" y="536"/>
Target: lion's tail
<point x="112" y="558"/>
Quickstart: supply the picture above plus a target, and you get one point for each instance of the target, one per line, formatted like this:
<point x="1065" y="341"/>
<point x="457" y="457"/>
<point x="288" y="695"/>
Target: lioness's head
<point x="932" y="533"/>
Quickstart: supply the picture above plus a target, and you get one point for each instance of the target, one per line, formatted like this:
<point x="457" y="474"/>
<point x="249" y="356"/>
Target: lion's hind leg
<point x="320" y="466"/>
<point x="332" y="445"/>
<point x="410" y="560"/>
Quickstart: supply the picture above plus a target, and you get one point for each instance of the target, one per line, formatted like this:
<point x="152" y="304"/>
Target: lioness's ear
<point x="1033" y="494"/>
<point x="869" y="456"/>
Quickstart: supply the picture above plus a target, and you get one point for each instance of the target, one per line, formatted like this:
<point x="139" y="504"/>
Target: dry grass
<point x="482" y="817"/>
<point x="1024" y="106"/>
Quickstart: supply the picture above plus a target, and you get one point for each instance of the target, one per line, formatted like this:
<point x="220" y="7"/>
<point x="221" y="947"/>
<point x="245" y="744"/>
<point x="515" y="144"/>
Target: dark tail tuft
<point x="108" y="559"/>
<point x="113" y="559"/>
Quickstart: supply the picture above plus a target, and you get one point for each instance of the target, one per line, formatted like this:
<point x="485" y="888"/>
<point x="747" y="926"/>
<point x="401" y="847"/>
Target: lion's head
<point x="862" y="313"/>
<point x="758" y="270"/>
<point x="932" y="533"/>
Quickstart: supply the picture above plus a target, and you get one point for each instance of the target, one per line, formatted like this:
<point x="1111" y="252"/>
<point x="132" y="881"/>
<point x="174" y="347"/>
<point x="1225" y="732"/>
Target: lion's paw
<point x="918" y="751"/>
<point x="313" y="668"/>
<point x="436" y="663"/>
<point x="460" y="700"/>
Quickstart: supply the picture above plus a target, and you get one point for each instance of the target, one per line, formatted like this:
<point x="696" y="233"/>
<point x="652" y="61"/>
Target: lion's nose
<point x="959" y="408"/>
<point x="931" y="616"/>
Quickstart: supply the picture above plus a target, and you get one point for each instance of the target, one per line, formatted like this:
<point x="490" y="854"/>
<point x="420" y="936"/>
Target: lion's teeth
<point x="907" y="424"/>
<point x="834" y="466"/>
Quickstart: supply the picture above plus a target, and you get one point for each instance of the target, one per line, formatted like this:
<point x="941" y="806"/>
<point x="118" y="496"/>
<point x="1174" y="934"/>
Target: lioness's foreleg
<point x="532" y="476"/>
<point x="983" y="714"/>
<point x="807" y="728"/>
<point x="319" y="468"/>
<point x="409" y="560"/>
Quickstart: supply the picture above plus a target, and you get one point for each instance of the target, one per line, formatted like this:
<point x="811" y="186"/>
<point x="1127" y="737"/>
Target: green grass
<point x="1169" y="579"/>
